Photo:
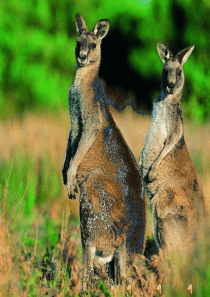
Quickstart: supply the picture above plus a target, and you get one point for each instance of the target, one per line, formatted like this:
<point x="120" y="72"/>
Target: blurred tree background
<point x="37" y="45"/>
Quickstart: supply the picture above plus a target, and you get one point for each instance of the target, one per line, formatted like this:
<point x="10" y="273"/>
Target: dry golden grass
<point x="44" y="134"/>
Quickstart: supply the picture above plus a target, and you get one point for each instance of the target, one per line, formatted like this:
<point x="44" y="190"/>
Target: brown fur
<point x="112" y="204"/>
<point x="172" y="182"/>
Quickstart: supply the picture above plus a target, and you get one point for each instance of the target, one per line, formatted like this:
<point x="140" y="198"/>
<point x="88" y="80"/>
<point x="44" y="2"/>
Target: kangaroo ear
<point x="101" y="28"/>
<point x="184" y="54"/>
<point x="163" y="51"/>
<point x="80" y="24"/>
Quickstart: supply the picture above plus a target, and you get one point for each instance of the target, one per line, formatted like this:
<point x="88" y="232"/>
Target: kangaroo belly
<point x="173" y="217"/>
<point x="112" y="205"/>
<point x="176" y="197"/>
<point x="178" y="171"/>
<point x="178" y="232"/>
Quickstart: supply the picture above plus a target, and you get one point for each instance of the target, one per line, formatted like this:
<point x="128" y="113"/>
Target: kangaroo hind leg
<point x="88" y="258"/>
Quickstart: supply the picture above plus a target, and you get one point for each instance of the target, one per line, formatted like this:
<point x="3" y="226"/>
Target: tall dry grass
<point x="45" y="136"/>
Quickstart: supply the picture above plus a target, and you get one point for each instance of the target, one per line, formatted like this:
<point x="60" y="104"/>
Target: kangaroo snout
<point x="170" y="87"/>
<point x="82" y="57"/>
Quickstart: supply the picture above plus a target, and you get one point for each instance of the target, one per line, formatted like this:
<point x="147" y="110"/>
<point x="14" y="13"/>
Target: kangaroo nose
<point x="171" y="85"/>
<point x="83" y="56"/>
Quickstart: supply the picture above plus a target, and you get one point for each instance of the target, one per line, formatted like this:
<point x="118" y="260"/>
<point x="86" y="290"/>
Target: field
<point x="40" y="248"/>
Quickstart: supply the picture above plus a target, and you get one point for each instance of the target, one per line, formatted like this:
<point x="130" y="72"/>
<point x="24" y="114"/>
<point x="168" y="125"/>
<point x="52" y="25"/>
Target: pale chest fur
<point x="165" y="130"/>
<point x="84" y="106"/>
<point x="156" y="136"/>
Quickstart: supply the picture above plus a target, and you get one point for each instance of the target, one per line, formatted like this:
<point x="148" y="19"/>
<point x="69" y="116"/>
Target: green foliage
<point x="48" y="177"/>
<point x="19" y="181"/>
<point x="37" y="44"/>
<point x="179" y="24"/>
<point x="104" y="289"/>
<point x="50" y="234"/>
<point x="28" y="183"/>
<point x="24" y="187"/>
<point x="34" y="49"/>
<point x="35" y="236"/>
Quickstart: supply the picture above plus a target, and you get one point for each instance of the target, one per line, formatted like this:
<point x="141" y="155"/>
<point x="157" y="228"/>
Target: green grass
<point x="35" y="244"/>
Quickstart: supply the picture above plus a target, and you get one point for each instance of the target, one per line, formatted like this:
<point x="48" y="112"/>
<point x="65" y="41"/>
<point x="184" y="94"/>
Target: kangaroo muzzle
<point x="170" y="87"/>
<point x="82" y="58"/>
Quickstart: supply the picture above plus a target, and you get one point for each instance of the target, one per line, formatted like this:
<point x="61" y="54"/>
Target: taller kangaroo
<point x="99" y="162"/>
<point x="172" y="182"/>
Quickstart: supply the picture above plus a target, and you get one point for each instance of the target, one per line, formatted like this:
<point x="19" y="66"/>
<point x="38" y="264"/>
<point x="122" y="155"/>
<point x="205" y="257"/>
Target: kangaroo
<point x="99" y="163"/>
<point x="171" y="180"/>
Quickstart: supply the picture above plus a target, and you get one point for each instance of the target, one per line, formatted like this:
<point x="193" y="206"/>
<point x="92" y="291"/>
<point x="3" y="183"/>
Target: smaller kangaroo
<point x="171" y="180"/>
<point x="99" y="162"/>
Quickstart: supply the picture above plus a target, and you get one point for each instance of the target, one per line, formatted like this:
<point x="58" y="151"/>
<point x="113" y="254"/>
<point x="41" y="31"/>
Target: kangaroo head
<point x="173" y="74"/>
<point x="88" y="49"/>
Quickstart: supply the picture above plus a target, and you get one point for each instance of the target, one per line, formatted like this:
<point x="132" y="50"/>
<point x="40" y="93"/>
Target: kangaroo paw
<point x="151" y="176"/>
<point x="71" y="186"/>
<point x="72" y="190"/>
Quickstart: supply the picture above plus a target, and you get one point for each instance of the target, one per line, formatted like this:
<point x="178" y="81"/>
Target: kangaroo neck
<point x="91" y="91"/>
<point x="85" y="76"/>
<point x="86" y="83"/>
<point x="167" y="107"/>
<point x="170" y="98"/>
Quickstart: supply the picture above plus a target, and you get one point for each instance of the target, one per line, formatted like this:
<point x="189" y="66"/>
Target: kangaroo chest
<point x="156" y="136"/>
<point x="108" y="156"/>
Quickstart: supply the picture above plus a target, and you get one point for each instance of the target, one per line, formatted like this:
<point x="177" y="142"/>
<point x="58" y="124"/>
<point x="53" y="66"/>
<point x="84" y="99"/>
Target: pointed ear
<point x="80" y="24"/>
<point x="101" y="28"/>
<point x="184" y="54"/>
<point x="163" y="51"/>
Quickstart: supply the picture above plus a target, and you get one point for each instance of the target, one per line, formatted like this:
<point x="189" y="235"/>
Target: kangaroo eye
<point x="93" y="45"/>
